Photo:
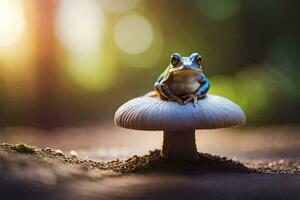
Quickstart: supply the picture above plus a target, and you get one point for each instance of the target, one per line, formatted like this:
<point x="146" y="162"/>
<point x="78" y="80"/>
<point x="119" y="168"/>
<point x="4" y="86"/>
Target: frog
<point x="183" y="81"/>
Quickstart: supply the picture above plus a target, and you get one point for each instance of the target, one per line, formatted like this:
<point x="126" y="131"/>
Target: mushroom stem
<point x="179" y="145"/>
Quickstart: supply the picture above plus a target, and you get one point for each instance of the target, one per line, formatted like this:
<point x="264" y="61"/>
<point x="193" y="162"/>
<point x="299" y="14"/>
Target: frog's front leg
<point x="163" y="89"/>
<point x="205" y="85"/>
<point x="159" y="89"/>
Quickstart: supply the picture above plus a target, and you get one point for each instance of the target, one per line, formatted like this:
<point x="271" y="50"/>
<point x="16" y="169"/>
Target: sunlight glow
<point x="134" y="34"/>
<point x="12" y="23"/>
<point x="80" y="25"/>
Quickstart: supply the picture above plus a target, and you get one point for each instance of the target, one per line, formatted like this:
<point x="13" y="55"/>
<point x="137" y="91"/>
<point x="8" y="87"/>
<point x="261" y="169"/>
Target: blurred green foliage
<point x="249" y="49"/>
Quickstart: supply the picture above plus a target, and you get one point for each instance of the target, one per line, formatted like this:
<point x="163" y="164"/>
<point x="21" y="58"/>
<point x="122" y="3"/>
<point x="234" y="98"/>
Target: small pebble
<point x="281" y="161"/>
<point x="74" y="153"/>
<point x="59" y="152"/>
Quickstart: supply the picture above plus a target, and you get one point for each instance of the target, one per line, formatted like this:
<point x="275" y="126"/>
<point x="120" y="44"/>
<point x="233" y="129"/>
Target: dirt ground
<point x="270" y="154"/>
<point x="49" y="174"/>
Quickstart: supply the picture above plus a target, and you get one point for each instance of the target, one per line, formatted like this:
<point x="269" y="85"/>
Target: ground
<point x="32" y="173"/>
<point x="267" y="172"/>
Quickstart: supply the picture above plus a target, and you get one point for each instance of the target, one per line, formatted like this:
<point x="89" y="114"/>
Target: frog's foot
<point x="190" y="98"/>
<point x="193" y="98"/>
<point x="177" y="99"/>
<point x="202" y="96"/>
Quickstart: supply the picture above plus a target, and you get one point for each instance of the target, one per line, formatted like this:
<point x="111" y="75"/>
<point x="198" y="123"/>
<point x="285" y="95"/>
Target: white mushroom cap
<point x="152" y="113"/>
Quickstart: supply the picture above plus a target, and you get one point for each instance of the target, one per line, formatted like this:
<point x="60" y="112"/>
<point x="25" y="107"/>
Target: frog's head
<point x="186" y="65"/>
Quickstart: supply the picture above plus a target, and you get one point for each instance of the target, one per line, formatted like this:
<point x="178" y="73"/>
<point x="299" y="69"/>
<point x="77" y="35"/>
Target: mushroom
<point x="179" y="122"/>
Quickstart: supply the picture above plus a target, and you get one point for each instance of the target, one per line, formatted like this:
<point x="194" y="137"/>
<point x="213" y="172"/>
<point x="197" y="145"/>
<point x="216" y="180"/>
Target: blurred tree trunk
<point x="47" y="112"/>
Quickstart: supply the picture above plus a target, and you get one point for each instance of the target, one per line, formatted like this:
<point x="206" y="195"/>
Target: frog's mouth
<point x="186" y="71"/>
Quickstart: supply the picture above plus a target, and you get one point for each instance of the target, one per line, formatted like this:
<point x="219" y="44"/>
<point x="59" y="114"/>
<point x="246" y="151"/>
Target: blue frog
<point x="183" y="80"/>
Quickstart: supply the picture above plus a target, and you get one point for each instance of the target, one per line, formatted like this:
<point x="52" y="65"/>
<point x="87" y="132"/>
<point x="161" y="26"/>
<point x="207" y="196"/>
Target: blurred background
<point x="72" y="63"/>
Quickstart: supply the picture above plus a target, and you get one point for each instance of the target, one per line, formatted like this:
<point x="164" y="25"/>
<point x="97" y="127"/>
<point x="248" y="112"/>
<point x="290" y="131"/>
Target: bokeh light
<point x="149" y="58"/>
<point x="89" y="71"/>
<point x="115" y="6"/>
<point x="80" y="28"/>
<point x="133" y="34"/>
<point x="90" y="49"/>
<point x="219" y="10"/>
<point x="12" y="23"/>
<point x="80" y="25"/>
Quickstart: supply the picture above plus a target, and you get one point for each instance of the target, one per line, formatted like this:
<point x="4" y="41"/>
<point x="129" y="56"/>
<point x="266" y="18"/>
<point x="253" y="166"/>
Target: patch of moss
<point x="23" y="148"/>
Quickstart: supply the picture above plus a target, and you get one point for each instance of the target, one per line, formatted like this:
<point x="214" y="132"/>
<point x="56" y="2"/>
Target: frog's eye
<point x="175" y="59"/>
<point x="198" y="60"/>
